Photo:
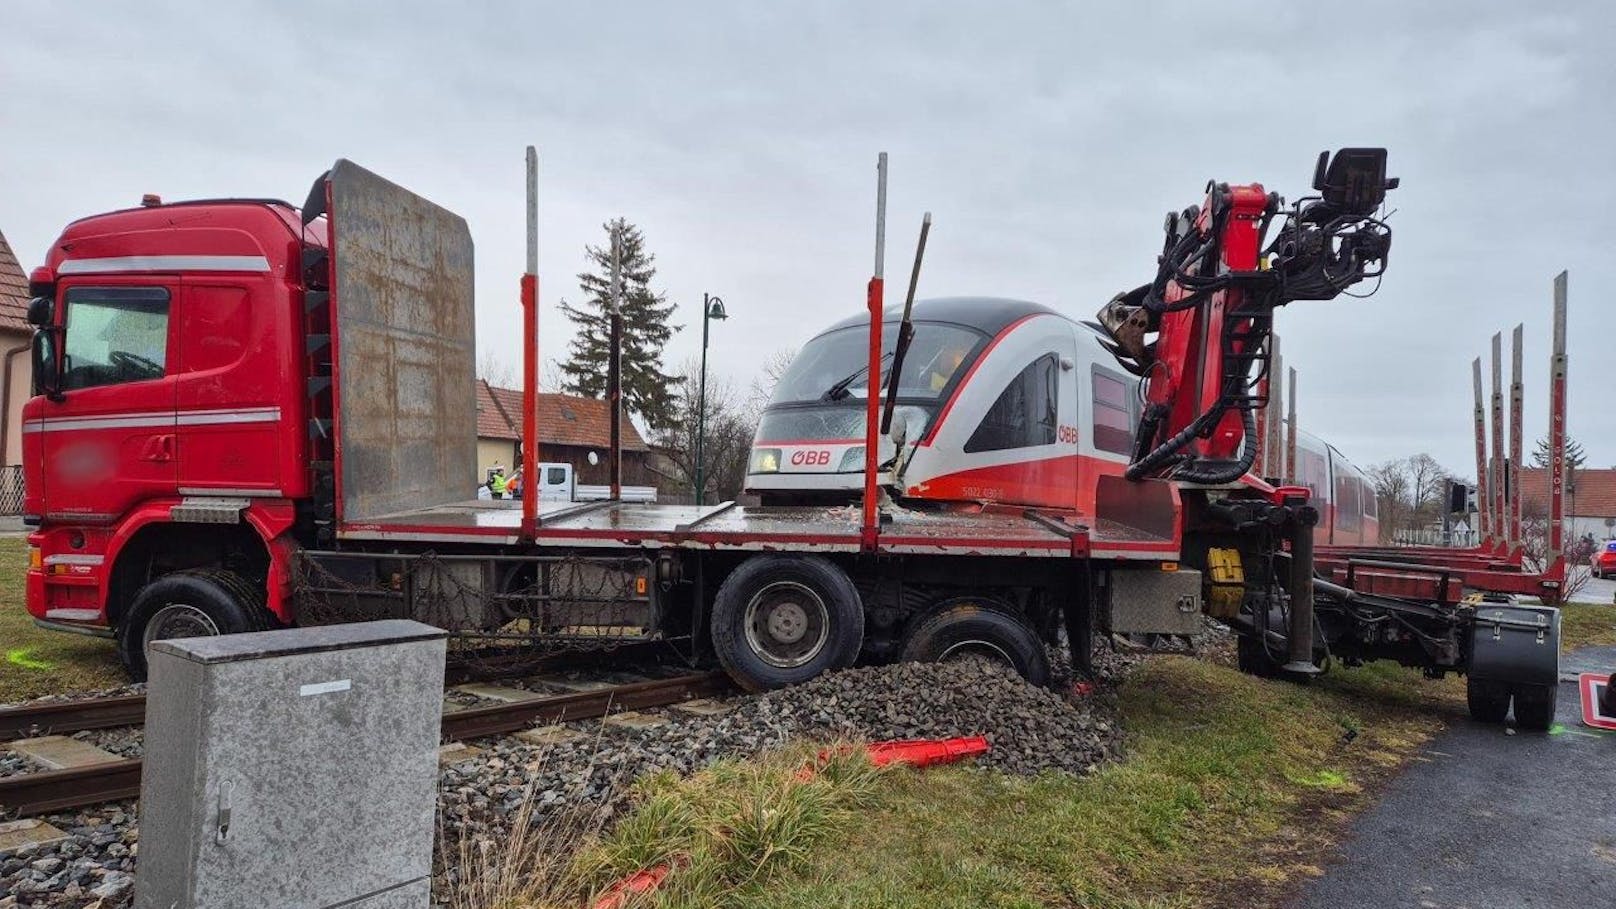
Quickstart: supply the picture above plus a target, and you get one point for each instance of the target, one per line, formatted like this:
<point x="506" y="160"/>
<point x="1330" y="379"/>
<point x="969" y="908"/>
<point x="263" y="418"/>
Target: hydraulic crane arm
<point x="1211" y="305"/>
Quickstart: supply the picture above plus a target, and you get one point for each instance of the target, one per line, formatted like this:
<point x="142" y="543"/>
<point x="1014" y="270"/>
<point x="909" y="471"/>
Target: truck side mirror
<point x="40" y="311"/>
<point x="47" y="364"/>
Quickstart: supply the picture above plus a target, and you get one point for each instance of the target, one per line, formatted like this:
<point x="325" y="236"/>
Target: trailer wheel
<point x="1253" y="658"/>
<point x="1488" y="701"/>
<point x="968" y="626"/>
<point x="779" y="620"/>
<point x="193" y="603"/>
<point x="1534" y="706"/>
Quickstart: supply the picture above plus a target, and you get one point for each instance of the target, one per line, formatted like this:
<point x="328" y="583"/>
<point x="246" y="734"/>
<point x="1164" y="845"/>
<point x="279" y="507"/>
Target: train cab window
<point x="1025" y="413"/>
<point x="1114" y="413"/>
<point x="114" y="335"/>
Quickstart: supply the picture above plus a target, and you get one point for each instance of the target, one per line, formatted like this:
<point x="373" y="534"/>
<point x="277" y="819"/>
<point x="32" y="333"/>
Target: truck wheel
<point x="1534" y="706"/>
<point x="1488" y="701"/>
<point x="193" y="603"/>
<point x="968" y="626"/>
<point x="779" y="620"/>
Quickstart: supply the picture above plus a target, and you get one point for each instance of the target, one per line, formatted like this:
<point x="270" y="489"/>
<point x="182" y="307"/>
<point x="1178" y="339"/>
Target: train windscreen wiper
<point x="839" y="391"/>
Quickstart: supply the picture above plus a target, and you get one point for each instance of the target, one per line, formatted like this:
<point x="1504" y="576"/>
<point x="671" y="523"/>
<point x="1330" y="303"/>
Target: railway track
<point x="45" y="791"/>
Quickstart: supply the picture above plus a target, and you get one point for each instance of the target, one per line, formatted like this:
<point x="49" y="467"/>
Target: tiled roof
<point x="1594" y="495"/>
<point x="563" y="419"/>
<point x="13" y="290"/>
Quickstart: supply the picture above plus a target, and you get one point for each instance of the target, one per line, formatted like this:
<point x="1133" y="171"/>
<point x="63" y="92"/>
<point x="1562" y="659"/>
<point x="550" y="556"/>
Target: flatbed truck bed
<point x="730" y="526"/>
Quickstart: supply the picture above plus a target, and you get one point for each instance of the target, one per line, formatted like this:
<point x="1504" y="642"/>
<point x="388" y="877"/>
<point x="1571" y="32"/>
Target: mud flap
<point x="1516" y="645"/>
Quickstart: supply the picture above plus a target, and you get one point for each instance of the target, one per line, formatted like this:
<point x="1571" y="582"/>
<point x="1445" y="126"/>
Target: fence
<point x="11" y="489"/>
<point x="1432" y="536"/>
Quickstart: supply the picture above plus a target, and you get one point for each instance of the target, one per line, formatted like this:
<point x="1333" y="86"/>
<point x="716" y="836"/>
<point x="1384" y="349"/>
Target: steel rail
<point x="28" y="794"/>
<point x="69" y="716"/>
<point x="59" y="717"/>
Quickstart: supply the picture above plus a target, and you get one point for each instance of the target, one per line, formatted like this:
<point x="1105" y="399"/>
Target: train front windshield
<point x="821" y="395"/>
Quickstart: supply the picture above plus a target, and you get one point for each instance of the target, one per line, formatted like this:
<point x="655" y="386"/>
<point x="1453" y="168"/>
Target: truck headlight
<point x="764" y="460"/>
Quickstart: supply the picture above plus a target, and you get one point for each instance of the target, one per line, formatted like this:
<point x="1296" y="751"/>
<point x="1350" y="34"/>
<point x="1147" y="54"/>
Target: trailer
<point x="252" y="414"/>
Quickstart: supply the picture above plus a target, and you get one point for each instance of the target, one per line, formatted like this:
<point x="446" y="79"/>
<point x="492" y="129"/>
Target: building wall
<point x="22" y="372"/>
<point x="490" y="451"/>
<point x="634" y="462"/>
<point x="1595" y="525"/>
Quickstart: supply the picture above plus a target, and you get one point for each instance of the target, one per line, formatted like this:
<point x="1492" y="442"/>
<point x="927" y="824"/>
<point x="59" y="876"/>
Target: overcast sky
<point x="1048" y="140"/>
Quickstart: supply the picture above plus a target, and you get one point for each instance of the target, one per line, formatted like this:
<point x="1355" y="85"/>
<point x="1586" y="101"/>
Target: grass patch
<point x="733" y="829"/>
<point x="1230" y="792"/>
<point x="1587" y="625"/>
<point x="36" y="662"/>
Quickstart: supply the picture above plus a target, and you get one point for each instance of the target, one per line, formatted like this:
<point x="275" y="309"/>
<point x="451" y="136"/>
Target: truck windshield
<point x="935" y="358"/>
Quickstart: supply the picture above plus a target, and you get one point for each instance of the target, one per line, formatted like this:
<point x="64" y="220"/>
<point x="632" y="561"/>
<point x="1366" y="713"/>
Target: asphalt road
<point x="1491" y="820"/>
<point x="1599" y="590"/>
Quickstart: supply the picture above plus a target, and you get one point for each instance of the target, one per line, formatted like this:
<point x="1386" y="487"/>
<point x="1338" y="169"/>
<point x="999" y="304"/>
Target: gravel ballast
<point x="585" y="782"/>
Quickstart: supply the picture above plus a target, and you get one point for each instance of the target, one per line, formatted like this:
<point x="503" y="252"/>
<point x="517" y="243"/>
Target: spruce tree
<point x="647" y="390"/>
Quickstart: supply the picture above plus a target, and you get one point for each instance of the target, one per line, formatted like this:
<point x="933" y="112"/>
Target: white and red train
<point x="1000" y="403"/>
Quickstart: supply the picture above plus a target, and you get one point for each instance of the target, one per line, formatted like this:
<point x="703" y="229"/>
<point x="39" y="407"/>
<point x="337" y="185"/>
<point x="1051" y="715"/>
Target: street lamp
<point x="711" y="308"/>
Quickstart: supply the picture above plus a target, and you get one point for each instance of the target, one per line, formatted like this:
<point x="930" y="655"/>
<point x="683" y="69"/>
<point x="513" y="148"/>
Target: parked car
<point x="1603" y="561"/>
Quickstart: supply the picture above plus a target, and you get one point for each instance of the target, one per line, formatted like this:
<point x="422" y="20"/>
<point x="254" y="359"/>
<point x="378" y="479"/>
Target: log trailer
<point x="250" y="414"/>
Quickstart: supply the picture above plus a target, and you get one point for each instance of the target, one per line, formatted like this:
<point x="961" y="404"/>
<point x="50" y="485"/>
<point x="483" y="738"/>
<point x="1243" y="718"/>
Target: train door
<point x="1012" y="435"/>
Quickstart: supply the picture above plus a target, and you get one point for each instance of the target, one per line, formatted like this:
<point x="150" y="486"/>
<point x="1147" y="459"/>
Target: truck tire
<point x="1488" y="700"/>
<point x="780" y="620"/>
<point x="969" y="626"/>
<point x="192" y="603"/>
<point x="1534" y="706"/>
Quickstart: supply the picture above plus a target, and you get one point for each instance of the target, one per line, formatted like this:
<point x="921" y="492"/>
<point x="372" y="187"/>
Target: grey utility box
<point x="292" y="769"/>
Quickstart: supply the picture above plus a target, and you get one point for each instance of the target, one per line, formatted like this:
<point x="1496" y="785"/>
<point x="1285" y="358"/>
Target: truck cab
<point x="166" y="431"/>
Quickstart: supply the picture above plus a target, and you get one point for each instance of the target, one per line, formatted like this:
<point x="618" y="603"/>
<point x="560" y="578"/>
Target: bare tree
<point x="1390" y="479"/>
<point x="729" y="427"/>
<point x="494" y="371"/>
<point x="774" y="366"/>
<point x="1410" y="493"/>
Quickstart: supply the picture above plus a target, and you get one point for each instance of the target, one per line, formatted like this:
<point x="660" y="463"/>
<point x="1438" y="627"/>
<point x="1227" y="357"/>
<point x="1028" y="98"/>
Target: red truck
<point x="250" y="414"/>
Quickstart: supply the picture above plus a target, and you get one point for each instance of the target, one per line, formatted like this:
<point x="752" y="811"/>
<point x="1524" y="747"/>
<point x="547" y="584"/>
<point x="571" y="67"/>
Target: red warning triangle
<point x="1598" y="701"/>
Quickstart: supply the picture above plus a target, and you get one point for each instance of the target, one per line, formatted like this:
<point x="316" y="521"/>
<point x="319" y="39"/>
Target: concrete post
<point x="292" y="768"/>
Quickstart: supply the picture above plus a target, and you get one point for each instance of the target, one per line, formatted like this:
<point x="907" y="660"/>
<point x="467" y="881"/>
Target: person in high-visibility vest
<point x="497" y="484"/>
<point x="513" y="486"/>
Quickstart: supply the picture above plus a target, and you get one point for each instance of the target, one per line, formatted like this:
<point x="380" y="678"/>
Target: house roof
<point x="1593" y="494"/>
<point x="563" y="419"/>
<point x="13" y="291"/>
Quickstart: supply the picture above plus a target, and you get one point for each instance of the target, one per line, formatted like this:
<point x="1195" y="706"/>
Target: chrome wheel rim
<point x="786" y="624"/>
<point x="177" y="620"/>
<point x="976" y="648"/>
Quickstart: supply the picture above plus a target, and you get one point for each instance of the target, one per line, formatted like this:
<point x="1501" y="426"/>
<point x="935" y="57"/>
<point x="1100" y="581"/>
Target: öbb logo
<point x="810" y="457"/>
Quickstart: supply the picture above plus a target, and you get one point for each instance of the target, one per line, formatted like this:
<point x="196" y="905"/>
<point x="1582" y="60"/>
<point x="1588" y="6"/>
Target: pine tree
<point x="647" y="390"/>
<point x="1574" y="455"/>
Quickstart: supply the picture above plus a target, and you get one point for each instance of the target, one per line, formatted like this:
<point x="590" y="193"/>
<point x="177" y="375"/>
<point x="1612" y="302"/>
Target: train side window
<point x="1346" y="502"/>
<point x="1025" y="413"/>
<point x="115" y="335"/>
<point x="1371" y="508"/>
<point x="1113" y="412"/>
<point x="1314" y="475"/>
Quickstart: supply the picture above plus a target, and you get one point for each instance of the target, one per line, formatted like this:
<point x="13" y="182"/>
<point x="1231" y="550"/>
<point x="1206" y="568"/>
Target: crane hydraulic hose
<point x="1195" y="472"/>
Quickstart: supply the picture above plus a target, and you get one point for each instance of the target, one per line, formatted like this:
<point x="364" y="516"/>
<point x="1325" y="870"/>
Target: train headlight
<point x="764" y="460"/>
<point x="852" y="460"/>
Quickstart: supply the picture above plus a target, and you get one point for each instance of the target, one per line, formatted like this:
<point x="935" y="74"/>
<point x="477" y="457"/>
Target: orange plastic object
<point x="618" y="894"/>
<point x="927" y="752"/>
